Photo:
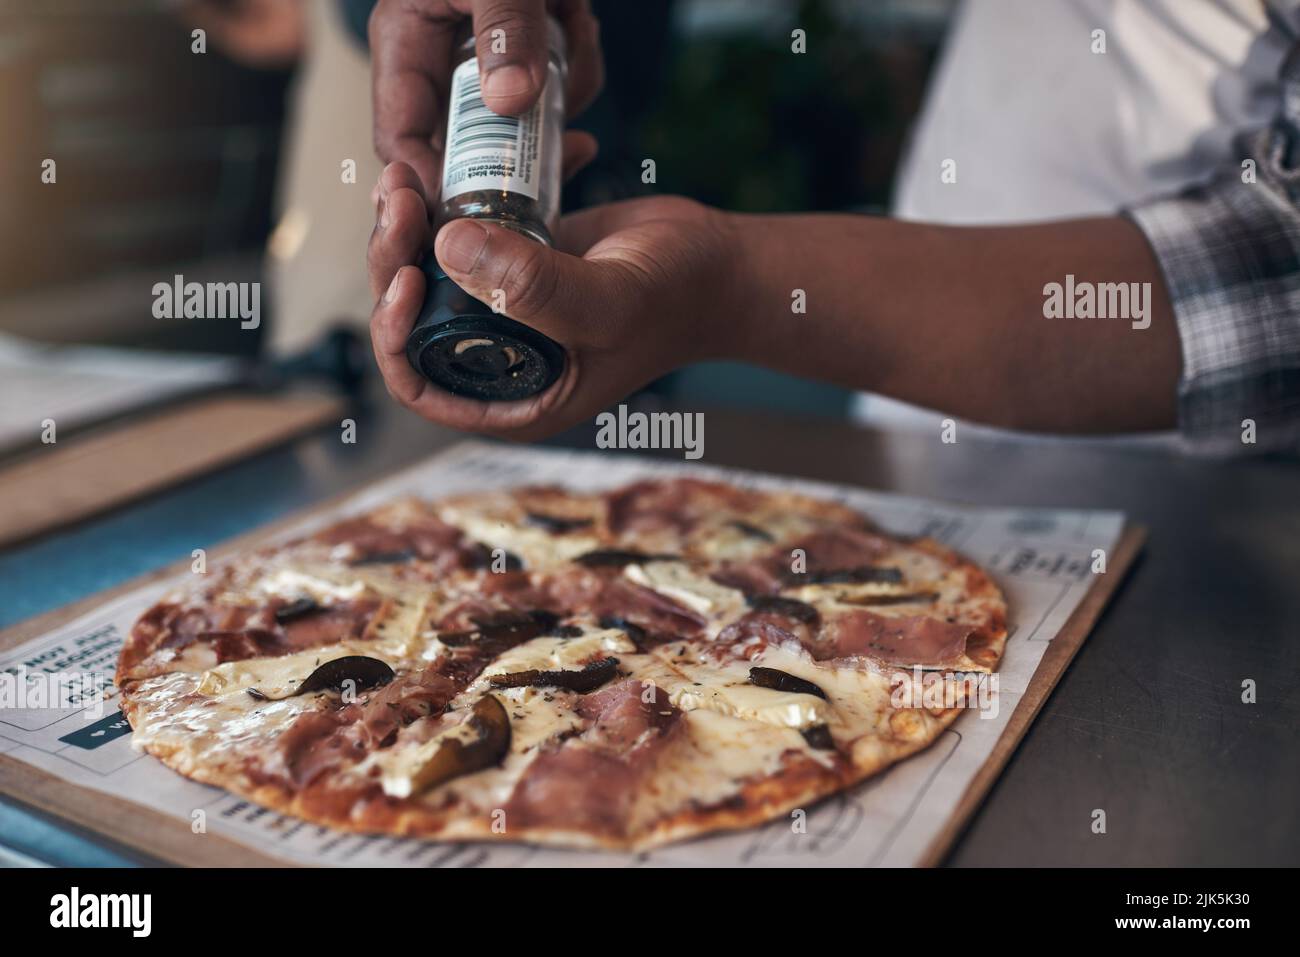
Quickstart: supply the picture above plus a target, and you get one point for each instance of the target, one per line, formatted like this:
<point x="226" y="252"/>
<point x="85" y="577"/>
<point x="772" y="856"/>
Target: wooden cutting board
<point x="73" y="479"/>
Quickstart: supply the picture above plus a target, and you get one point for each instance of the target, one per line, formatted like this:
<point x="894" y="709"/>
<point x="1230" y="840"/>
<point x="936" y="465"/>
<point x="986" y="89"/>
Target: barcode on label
<point x="476" y="126"/>
<point x="487" y="151"/>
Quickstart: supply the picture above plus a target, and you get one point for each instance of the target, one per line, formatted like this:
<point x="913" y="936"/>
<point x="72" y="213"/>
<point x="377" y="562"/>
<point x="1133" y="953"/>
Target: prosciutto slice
<point x="836" y="548"/>
<point x="911" y="640"/>
<point x="774" y="621"/>
<point x="237" y="632"/>
<point x="605" y="594"/>
<point x="343" y="733"/>
<point x="826" y="551"/>
<point x="425" y="537"/>
<point x="589" y="782"/>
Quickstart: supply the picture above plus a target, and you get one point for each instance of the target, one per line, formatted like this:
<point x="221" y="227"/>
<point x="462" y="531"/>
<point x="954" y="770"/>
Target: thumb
<point x="525" y="279"/>
<point x="511" y="42"/>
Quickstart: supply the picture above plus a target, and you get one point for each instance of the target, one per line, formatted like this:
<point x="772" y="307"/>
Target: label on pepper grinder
<point x="485" y="150"/>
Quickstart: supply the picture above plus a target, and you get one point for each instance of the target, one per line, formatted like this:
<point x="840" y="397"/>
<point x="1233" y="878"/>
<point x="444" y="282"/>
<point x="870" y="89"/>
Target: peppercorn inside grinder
<point x="503" y="170"/>
<point x="461" y="345"/>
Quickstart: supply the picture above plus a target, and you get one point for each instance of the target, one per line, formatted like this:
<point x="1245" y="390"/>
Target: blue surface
<point x="99" y="554"/>
<point x="65" y="566"/>
<point x="37" y="837"/>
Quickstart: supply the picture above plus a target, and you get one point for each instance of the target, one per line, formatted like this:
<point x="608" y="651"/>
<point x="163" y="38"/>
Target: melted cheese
<point x="403" y="771"/>
<point x="277" y="677"/>
<point x="537" y="715"/>
<point x="860" y="697"/>
<point x="199" y="656"/>
<point x="751" y="703"/>
<point x="399" y="635"/>
<point x="272" y="676"/>
<point x="200" y="730"/>
<point x="857" y="700"/>
<point x="831" y="593"/>
<point x="693" y="685"/>
<point x="725" y="690"/>
<point x="325" y="588"/>
<point x="678" y="581"/>
<point x="712" y="759"/>
<point x="723" y="540"/>
<point x="536" y="546"/>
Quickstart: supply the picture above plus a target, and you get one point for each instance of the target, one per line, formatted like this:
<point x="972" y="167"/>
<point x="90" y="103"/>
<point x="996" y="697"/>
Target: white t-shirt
<point x="1041" y="127"/>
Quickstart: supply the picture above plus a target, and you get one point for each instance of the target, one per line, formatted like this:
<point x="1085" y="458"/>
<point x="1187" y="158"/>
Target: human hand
<point x="411" y="44"/>
<point x="632" y="291"/>
<point x="264" y="34"/>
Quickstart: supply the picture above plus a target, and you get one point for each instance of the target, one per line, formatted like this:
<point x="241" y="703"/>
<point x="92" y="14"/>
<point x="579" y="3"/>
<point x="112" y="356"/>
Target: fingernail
<point x="462" y="245"/>
<point x="384" y="217"/>
<point x="391" y="292"/>
<point x="507" y="81"/>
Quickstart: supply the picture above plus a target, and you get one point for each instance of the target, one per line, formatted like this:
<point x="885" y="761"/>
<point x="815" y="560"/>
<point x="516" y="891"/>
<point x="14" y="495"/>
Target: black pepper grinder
<point x="503" y="170"/>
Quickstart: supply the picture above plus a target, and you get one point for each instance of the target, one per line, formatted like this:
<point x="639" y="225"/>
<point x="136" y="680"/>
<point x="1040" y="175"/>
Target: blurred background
<point x="229" y="165"/>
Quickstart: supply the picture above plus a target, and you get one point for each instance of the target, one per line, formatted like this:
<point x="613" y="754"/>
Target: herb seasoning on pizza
<point x="656" y="662"/>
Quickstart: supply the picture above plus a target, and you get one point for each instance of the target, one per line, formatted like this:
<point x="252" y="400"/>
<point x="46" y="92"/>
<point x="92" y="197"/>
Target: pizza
<point x="616" y="669"/>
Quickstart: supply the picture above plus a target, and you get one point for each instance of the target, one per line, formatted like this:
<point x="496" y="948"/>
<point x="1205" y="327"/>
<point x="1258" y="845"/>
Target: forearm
<point x="953" y="317"/>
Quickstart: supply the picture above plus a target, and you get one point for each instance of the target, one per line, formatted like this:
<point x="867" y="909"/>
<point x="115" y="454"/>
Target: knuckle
<point x="528" y="284"/>
<point x="519" y="23"/>
<point x="406" y="394"/>
<point x="384" y="139"/>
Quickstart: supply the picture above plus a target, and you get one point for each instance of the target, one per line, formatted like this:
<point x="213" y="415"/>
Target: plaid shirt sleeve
<point x="1230" y="253"/>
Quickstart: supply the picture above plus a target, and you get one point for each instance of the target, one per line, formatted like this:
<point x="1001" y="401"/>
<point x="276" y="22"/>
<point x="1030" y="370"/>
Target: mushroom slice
<point x="480" y="741"/>
<point x="779" y="680"/>
<point x="502" y="631"/>
<point x="786" y="607"/>
<point x="617" y="558"/>
<point x="297" y="609"/>
<point x="334" y="675"/>
<point x="863" y="574"/>
<point x="556" y="524"/>
<point x="589" y="678"/>
<point x="906" y="598"/>
<point x="819" y="738"/>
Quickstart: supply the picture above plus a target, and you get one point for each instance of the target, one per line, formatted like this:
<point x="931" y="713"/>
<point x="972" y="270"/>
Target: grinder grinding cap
<point x="461" y="345"/>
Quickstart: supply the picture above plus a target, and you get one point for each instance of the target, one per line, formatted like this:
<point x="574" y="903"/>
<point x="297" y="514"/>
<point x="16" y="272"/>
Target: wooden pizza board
<point x="84" y="475"/>
<point x="171" y="840"/>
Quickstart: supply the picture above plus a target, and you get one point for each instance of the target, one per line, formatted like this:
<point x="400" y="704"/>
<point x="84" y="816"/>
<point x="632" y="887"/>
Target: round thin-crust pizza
<point x="617" y="669"/>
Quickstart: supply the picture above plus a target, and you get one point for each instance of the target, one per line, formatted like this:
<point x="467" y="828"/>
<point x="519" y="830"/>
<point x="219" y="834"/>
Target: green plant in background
<point x="747" y="124"/>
